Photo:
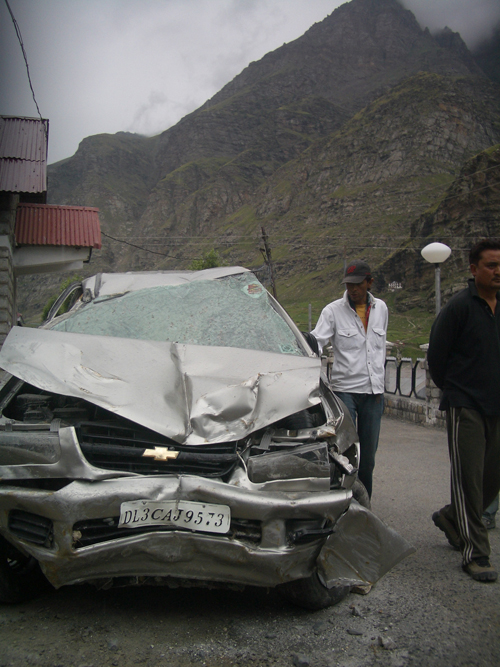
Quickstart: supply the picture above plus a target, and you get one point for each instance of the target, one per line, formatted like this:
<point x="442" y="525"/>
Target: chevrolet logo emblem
<point x="161" y="453"/>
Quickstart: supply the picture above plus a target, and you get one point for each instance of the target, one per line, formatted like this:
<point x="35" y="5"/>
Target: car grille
<point x="88" y="532"/>
<point x="121" y="446"/>
<point x="31" y="527"/>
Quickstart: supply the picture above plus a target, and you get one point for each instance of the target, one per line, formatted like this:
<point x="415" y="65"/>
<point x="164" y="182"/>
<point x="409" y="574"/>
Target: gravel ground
<point x="426" y="611"/>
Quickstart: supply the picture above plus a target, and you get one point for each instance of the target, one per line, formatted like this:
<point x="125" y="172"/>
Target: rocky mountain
<point x="469" y="209"/>
<point x="337" y="144"/>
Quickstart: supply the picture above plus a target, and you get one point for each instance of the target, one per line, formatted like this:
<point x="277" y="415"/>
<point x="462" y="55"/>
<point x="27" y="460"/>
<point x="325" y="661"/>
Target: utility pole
<point x="266" y="252"/>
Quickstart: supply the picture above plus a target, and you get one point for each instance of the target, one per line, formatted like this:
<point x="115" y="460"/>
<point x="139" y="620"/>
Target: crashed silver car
<point x="174" y="428"/>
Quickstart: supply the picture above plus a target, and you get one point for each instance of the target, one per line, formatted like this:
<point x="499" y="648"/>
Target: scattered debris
<point x="387" y="643"/>
<point x="113" y="645"/>
<point x="355" y="633"/>
<point x="362" y="589"/>
<point x="355" y="610"/>
<point x="320" y="627"/>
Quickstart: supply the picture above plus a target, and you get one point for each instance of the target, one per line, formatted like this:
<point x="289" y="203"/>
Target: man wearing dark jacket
<point x="464" y="362"/>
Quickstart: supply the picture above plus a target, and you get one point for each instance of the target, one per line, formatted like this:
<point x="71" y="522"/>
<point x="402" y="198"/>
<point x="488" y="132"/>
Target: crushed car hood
<point x="192" y="394"/>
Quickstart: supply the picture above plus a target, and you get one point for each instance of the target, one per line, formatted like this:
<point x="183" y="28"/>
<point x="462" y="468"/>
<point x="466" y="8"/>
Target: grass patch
<point x="410" y="330"/>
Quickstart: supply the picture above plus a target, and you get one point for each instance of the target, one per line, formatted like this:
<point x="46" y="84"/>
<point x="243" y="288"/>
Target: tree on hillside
<point x="210" y="260"/>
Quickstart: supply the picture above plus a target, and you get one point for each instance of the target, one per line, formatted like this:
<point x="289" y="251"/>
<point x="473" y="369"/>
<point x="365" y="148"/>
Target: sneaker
<point x="480" y="569"/>
<point x="448" y="529"/>
<point x="488" y="522"/>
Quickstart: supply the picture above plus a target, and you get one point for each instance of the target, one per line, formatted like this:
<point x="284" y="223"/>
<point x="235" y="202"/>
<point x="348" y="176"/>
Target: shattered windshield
<point x="234" y="311"/>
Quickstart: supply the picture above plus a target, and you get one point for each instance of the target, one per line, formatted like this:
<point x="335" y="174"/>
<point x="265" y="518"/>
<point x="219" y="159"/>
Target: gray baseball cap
<point x="357" y="271"/>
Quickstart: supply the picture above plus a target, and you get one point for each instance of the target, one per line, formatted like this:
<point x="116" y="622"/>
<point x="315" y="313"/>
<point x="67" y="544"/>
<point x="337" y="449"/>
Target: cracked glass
<point x="234" y="311"/>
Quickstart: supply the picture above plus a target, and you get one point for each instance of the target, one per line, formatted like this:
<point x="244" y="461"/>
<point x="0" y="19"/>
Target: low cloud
<point x="101" y="66"/>
<point x="475" y="20"/>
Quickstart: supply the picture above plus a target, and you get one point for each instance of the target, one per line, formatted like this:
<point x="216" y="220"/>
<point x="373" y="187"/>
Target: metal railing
<point x="405" y="377"/>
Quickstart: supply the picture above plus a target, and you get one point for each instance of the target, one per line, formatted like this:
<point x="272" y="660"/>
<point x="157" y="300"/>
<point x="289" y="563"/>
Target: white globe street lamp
<point x="436" y="253"/>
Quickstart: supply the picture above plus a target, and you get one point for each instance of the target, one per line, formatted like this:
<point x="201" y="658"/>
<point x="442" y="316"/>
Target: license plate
<point x="180" y="513"/>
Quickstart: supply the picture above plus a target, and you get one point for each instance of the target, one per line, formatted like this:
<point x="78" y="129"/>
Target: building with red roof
<point x="35" y="237"/>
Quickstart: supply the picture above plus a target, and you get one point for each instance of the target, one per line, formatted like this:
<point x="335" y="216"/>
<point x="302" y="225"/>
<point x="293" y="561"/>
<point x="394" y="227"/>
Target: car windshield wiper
<point x="108" y="297"/>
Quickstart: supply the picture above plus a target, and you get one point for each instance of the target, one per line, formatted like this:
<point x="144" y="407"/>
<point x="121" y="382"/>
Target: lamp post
<point x="436" y="253"/>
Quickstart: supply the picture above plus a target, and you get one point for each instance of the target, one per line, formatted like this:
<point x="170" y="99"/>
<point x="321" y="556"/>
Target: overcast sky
<point x="141" y="65"/>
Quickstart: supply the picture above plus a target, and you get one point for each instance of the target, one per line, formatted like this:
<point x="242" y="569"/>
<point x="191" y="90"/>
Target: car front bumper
<point x="159" y="554"/>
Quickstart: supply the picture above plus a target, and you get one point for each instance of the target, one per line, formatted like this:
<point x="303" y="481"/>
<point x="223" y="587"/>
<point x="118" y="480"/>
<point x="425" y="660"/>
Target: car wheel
<point x="20" y="576"/>
<point x="310" y="593"/>
<point x="360" y="494"/>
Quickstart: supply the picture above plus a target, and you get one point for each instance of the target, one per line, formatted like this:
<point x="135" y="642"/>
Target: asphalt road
<point x="425" y="612"/>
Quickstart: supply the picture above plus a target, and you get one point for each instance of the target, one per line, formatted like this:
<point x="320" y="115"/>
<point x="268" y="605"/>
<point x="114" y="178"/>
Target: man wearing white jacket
<point x="356" y="326"/>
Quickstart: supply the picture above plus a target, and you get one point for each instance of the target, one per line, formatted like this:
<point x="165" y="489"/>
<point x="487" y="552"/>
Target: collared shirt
<point x="359" y="355"/>
<point x="464" y="352"/>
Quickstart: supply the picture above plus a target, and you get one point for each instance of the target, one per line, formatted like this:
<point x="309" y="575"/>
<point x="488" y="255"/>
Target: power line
<point x="20" y="38"/>
<point x="306" y="246"/>
<point x="240" y="240"/>
<point x="133" y="245"/>
<point x="286" y="240"/>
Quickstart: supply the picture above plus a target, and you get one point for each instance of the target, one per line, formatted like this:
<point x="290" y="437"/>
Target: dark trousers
<point x="366" y="412"/>
<point x="474" y="447"/>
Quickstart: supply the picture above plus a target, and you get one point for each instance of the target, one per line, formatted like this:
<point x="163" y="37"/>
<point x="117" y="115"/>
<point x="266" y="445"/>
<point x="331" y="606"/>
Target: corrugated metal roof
<point x="43" y="224"/>
<point x="23" y="154"/>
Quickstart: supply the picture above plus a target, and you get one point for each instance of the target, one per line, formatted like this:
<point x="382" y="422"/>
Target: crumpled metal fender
<point x="361" y="550"/>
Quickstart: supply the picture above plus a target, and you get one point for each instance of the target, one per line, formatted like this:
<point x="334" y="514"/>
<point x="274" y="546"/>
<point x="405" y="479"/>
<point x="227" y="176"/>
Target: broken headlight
<point x="291" y="463"/>
<point x="19" y="446"/>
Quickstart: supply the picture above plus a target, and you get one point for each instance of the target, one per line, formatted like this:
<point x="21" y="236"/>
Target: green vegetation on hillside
<point x="64" y="307"/>
<point x="209" y="260"/>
